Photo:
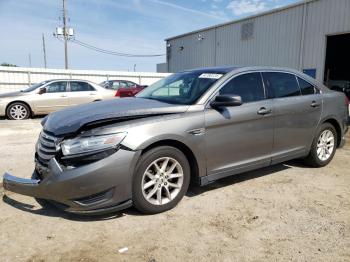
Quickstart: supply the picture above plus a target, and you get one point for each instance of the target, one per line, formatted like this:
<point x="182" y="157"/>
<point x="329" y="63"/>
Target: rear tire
<point x="161" y="179"/>
<point x="18" y="111"/>
<point x="323" y="147"/>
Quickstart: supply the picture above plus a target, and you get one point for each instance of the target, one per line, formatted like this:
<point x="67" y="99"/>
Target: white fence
<point x="14" y="78"/>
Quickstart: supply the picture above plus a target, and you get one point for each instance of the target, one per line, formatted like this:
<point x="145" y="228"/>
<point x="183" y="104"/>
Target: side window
<point x="248" y="86"/>
<point x="80" y="86"/>
<point x="131" y="84"/>
<point x="56" y="87"/>
<point x="305" y="87"/>
<point x="123" y="85"/>
<point x="115" y="85"/>
<point x="281" y="85"/>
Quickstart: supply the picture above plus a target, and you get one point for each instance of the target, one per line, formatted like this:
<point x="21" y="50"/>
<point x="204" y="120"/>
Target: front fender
<point x="171" y="129"/>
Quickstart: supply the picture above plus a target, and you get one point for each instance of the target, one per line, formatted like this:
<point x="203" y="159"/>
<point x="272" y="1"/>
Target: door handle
<point x="314" y="104"/>
<point x="63" y="95"/>
<point x="92" y="94"/>
<point x="264" y="111"/>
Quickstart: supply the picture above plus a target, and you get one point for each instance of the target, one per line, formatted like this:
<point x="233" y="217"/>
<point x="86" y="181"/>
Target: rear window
<point x="281" y="84"/>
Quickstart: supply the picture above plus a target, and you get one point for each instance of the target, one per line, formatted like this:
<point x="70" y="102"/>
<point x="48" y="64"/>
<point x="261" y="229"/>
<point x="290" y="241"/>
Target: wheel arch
<point x="31" y="113"/>
<point x="186" y="150"/>
<point x="334" y="122"/>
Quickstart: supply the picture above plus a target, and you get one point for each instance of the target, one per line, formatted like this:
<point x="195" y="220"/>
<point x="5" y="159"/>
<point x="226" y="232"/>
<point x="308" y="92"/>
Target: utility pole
<point x="44" y="51"/>
<point x="30" y="60"/>
<point x="65" y="34"/>
<point x="134" y="67"/>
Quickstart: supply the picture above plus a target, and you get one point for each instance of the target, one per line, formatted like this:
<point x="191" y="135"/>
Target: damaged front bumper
<point x="100" y="187"/>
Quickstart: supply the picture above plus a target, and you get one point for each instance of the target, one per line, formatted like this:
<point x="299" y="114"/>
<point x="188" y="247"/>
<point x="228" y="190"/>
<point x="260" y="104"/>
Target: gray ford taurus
<point x="198" y="125"/>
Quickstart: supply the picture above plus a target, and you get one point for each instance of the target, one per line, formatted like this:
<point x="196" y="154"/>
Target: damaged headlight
<point x="81" y="145"/>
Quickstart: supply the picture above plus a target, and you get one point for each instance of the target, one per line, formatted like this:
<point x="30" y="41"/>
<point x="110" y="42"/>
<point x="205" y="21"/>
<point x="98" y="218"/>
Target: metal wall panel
<point x="275" y="41"/>
<point x="190" y="52"/>
<point x="324" y="17"/>
<point x="279" y="39"/>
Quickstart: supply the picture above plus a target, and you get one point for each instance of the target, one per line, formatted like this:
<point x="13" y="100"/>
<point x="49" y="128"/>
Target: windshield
<point x="104" y="84"/>
<point x="35" y="86"/>
<point x="181" y="88"/>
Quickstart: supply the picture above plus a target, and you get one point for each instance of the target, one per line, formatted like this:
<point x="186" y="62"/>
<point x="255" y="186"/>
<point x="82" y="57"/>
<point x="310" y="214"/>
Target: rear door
<point x="297" y="111"/>
<point x="81" y="92"/>
<point x="125" y="89"/>
<point x="240" y="138"/>
<point x="55" y="98"/>
<point x="135" y="88"/>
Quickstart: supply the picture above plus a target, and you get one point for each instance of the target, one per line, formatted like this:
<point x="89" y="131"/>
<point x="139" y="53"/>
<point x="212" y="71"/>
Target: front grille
<point x="46" y="149"/>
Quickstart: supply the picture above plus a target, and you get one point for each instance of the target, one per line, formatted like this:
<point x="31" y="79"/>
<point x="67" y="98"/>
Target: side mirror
<point x="42" y="90"/>
<point x="226" y="100"/>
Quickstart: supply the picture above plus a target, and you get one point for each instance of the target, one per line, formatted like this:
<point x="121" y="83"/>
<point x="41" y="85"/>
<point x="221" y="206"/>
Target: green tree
<point x="7" y="64"/>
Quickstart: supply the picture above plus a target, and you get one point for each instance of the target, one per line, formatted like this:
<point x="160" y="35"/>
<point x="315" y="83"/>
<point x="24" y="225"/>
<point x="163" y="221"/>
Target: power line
<point x="110" y="52"/>
<point x="67" y="34"/>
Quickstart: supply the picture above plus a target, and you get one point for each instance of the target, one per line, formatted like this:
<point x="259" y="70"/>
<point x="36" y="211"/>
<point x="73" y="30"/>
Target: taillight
<point x="117" y="93"/>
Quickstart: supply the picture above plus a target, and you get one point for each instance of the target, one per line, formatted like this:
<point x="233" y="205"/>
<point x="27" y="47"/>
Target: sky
<point x="125" y="26"/>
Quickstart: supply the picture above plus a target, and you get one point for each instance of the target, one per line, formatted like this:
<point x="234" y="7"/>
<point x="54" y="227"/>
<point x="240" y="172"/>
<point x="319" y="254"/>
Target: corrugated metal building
<point x="299" y="36"/>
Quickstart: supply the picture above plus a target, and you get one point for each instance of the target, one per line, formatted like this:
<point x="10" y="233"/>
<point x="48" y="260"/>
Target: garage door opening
<point x="337" y="68"/>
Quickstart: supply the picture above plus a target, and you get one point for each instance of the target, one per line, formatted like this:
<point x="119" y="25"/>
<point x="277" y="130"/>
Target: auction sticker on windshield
<point x="210" y="76"/>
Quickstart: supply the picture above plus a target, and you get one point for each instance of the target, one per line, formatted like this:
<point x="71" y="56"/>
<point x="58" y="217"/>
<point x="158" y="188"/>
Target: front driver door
<point x="240" y="138"/>
<point x="55" y="98"/>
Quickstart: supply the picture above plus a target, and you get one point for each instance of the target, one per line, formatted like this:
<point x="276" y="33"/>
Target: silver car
<point x="199" y="125"/>
<point x="50" y="96"/>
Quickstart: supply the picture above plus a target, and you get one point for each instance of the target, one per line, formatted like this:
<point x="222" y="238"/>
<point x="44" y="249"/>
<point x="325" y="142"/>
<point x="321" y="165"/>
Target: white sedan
<point x="50" y="96"/>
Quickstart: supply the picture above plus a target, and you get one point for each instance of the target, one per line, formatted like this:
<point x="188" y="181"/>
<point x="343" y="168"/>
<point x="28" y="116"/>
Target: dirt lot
<point x="285" y="212"/>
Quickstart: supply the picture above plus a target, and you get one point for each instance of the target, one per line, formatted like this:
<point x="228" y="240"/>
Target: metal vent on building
<point x="247" y="30"/>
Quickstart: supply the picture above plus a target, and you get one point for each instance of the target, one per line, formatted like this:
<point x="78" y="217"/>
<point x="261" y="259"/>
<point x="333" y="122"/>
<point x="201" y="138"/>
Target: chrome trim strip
<point x="43" y="134"/>
<point x="46" y="143"/>
<point x="197" y="132"/>
<point x="43" y="156"/>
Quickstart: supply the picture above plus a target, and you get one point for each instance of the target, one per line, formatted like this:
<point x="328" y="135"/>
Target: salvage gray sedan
<point x="199" y="125"/>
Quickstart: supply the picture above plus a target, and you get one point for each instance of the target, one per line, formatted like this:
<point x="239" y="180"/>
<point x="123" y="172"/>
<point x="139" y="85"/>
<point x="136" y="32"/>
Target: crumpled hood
<point x="12" y="94"/>
<point x="70" y="120"/>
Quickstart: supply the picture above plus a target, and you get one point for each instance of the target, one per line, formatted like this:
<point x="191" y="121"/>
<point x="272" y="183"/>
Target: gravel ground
<point x="285" y="212"/>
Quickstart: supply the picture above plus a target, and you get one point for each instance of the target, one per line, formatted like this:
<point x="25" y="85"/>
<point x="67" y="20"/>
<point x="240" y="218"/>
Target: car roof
<point x="220" y="70"/>
<point x="63" y="79"/>
<point x="228" y="69"/>
<point x="114" y="80"/>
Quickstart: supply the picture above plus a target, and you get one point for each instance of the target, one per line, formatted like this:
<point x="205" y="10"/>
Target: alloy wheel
<point x="325" y="145"/>
<point x="18" y="112"/>
<point x="162" y="181"/>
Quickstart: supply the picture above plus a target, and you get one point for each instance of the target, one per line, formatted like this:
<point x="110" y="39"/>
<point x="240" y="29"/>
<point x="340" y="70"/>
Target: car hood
<point x="11" y="94"/>
<point x="70" y="120"/>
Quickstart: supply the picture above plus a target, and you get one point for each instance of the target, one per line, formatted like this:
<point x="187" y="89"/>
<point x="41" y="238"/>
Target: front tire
<point x="161" y="180"/>
<point x="323" y="147"/>
<point x="18" y="111"/>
